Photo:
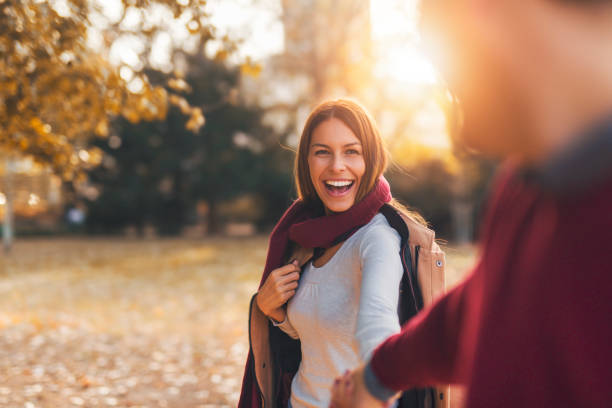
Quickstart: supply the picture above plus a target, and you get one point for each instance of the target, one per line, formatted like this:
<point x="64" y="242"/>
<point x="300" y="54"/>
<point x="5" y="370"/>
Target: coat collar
<point x="583" y="165"/>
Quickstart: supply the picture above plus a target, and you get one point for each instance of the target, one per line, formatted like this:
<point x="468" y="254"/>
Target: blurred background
<point x="146" y="151"/>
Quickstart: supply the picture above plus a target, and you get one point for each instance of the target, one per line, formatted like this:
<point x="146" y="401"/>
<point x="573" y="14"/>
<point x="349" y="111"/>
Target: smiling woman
<point x="333" y="287"/>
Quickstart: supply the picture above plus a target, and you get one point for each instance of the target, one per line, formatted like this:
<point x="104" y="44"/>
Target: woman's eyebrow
<point x="346" y="145"/>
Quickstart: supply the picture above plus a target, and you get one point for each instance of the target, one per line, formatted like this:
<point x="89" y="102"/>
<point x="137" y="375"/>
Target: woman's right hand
<point x="278" y="288"/>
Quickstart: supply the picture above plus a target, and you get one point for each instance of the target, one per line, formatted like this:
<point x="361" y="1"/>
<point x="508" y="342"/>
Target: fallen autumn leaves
<point x="126" y="323"/>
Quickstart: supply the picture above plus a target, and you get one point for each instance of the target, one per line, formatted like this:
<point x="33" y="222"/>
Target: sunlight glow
<point x="161" y="52"/>
<point x="402" y="65"/>
<point x="257" y="25"/>
<point x="84" y="155"/>
<point x="136" y="85"/>
<point x="33" y="200"/>
<point x="430" y="124"/>
<point x="394" y="30"/>
<point x="126" y="73"/>
<point x="405" y="64"/>
<point x="61" y="7"/>
<point x="125" y="50"/>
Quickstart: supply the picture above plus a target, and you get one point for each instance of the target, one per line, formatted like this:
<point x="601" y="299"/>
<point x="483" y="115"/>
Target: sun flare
<point x="401" y="63"/>
<point x="394" y="31"/>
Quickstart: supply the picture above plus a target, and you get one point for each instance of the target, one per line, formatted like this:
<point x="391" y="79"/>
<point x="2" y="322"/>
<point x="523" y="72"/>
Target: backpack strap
<point x="410" y="302"/>
<point x="411" y="297"/>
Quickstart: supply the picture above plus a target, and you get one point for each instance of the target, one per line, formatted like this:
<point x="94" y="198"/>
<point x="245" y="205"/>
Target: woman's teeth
<point x="338" y="187"/>
<point x="339" y="183"/>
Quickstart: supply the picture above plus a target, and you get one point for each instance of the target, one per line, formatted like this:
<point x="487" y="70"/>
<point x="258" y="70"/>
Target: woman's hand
<point x="349" y="391"/>
<point x="278" y="288"/>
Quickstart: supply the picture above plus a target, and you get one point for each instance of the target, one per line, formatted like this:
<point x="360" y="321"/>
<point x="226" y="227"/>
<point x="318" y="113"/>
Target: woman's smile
<point x="338" y="188"/>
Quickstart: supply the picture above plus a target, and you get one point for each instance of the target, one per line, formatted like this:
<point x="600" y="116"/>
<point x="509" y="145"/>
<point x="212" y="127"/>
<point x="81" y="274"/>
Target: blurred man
<point x="532" y="325"/>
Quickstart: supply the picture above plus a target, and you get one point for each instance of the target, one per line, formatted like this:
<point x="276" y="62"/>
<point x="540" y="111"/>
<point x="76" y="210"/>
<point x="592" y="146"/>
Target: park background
<point x="146" y="151"/>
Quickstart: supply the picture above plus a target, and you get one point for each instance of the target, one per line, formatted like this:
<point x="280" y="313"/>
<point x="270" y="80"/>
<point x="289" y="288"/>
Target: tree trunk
<point x="462" y="209"/>
<point x="213" y="226"/>
<point x="7" y="226"/>
<point x="462" y="212"/>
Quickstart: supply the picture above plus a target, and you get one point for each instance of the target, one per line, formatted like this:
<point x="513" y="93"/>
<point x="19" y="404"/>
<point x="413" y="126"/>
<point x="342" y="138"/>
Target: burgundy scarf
<point x="302" y="225"/>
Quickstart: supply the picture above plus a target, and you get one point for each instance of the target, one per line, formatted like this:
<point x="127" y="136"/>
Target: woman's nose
<point x="338" y="163"/>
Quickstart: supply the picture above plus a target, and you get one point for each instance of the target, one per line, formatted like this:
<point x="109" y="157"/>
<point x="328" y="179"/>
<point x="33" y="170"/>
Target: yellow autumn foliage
<point x="56" y="92"/>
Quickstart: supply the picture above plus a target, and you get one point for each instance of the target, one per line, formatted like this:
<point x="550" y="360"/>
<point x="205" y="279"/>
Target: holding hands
<point x="349" y="391"/>
<point x="279" y="287"/>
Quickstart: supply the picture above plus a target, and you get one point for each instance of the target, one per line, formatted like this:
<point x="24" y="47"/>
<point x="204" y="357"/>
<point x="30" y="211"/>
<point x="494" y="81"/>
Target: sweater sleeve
<point x="424" y="353"/>
<point x="381" y="273"/>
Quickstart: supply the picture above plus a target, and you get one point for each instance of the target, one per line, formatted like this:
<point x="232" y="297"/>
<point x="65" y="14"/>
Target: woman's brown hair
<point x="375" y="155"/>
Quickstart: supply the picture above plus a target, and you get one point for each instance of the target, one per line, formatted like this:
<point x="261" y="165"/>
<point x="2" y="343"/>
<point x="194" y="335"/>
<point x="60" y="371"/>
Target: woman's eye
<point x="352" y="151"/>
<point x="320" y="152"/>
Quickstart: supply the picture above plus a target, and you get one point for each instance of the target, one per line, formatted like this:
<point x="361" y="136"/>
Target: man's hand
<point x="349" y="391"/>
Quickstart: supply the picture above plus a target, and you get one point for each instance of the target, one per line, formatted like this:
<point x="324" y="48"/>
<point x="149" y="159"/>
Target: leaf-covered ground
<point x="125" y="323"/>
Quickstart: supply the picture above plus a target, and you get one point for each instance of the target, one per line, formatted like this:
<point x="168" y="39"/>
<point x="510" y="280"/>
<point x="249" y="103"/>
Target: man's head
<point x="526" y="72"/>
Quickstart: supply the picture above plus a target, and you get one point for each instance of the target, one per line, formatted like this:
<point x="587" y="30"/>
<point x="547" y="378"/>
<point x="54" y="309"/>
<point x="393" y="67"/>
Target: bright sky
<point x="394" y="24"/>
<point x="257" y="22"/>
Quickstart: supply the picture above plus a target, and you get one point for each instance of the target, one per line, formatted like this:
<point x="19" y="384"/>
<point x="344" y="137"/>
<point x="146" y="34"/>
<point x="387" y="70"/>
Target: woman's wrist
<point x="277" y="315"/>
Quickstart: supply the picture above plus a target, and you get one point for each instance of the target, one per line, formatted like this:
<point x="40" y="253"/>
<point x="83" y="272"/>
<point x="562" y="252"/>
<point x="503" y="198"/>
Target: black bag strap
<point x="411" y="297"/>
<point x="410" y="302"/>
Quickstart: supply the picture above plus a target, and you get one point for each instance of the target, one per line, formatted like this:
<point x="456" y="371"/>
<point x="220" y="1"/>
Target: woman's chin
<point x="338" y="207"/>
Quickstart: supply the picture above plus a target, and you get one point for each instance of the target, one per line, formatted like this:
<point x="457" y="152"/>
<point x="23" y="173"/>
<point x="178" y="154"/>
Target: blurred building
<point x="34" y="194"/>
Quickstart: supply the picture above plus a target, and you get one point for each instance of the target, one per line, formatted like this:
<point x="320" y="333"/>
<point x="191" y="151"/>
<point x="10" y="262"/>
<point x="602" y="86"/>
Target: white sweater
<point x="344" y="309"/>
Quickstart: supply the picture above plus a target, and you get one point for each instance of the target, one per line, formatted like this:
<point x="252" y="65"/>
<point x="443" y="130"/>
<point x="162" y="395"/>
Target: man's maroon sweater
<point x="532" y="325"/>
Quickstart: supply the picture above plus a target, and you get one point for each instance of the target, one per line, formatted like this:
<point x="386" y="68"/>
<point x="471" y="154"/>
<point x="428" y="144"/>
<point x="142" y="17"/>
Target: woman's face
<point x="336" y="164"/>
